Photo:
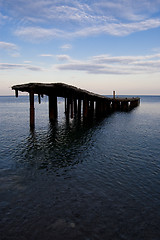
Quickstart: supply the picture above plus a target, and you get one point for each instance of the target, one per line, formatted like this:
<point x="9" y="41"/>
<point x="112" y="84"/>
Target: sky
<point x="97" y="45"/>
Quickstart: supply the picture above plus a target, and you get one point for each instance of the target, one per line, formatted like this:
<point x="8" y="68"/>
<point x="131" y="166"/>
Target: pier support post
<point x="65" y="103"/>
<point x="107" y="107"/>
<point x="32" y="110"/>
<point x="79" y="108"/>
<point x="116" y="105"/>
<point x="39" y="98"/>
<point x="134" y="103"/>
<point x="85" y="107"/>
<point x="92" y="107"/>
<point x="103" y="108"/>
<point x="98" y="108"/>
<point x="71" y="108"/>
<point x="52" y="107"/>
<point x="75" y="107"/>
<point x="16" y="93"/>
<point x="67" y="107"/>
<point x="114" y="94"/>
<point x="124" y="106"/>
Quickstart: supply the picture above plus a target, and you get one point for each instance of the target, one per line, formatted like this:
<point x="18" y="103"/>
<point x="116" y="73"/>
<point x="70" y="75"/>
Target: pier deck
<point x="93" y="104"/>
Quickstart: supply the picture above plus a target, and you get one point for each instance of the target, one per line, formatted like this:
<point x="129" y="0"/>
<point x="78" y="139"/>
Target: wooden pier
<point x="78" y="102"/>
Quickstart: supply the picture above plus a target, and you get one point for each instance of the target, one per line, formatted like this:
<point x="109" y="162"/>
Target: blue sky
<point x="101" y="46"/>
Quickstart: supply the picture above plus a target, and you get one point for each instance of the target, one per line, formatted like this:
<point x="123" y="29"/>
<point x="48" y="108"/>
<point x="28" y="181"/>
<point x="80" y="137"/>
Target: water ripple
<point x="80" y="180"/>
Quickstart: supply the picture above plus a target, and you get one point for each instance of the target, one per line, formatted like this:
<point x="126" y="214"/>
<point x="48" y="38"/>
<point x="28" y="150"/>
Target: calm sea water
<point x="75" y="180"/>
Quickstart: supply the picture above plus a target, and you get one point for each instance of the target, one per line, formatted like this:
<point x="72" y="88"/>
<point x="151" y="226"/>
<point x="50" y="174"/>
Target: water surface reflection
<point x="79" y="180"/>
<point x="60" y="145"/>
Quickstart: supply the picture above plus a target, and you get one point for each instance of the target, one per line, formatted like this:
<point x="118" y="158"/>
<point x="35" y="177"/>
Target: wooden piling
<point x="71" y="108"/>
<point x="107" y="107"/>
<point x="16" y="93"/>
<point x="75" y="107"/>
<point x="98" y="108"/>
<point x="124" y="105"/>
<point x="134" y="103"/>
<point x="103" y="111"/>
<point x="116" y="105"/>
<point x="32" y="110"/>
<point x="67" y="107"/>
<point x="52" y="107"/>
<point x="85" y="107"/>
<point x="39" y="98"/>
<point x="92" y="108"/>
<point x="114" y="94"/>
<point x="79" y="108"/>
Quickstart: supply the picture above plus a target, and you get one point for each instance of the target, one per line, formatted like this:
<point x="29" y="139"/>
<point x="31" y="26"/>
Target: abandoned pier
<point x="78" y="102"/>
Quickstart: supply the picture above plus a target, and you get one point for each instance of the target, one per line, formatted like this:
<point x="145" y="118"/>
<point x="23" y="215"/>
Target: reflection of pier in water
<point x="93" y="104"/>
<point x="60" y="145"/>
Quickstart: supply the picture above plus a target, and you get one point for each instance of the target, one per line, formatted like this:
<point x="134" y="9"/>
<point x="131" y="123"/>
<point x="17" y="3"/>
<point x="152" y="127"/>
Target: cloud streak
<point x="80" y="12"/>
<point x="115" y="29"/>
<point x="8" y="46"/>
<point x="11" y="66"/>
<point x="101" y="64"/>
<point x="49" y="19"/>
<point x="11" y="48"/>
<point x="46" y="55"/>
<point x="66" y="47"/>
<point x="105" y="64"/>
<point x="2" y="18"/>
<point x="63" y="58"/>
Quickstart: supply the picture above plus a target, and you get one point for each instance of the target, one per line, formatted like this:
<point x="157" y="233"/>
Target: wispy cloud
<point x="11" y="66"/>
<point x="105" y="64"/>
<point x="33" y="33"/>
<point x="123" y="59"/>
<point x="48" y="19"/>
<point x="116" y="29"/>
<point x="66" y="47"/>
<point x="46" y="55"/>
<point x="128" y="9"/>
<point x="11" y="48"/>
<point x="26" y="61"/>
<point x="2" y="18"/>
<point x="101" y="64"/>
<point x="63" y="57"/>
<point x="119" y="29"/>
<point x="8" y="46"/>
<point x="80" y="11"/>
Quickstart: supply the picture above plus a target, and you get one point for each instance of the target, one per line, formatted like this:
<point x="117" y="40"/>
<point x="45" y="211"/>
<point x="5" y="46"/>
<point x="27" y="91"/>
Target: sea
<point x="84" y="180"/>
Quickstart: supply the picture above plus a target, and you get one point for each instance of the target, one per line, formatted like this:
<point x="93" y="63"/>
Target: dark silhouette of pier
<point x="78" y="102"/>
